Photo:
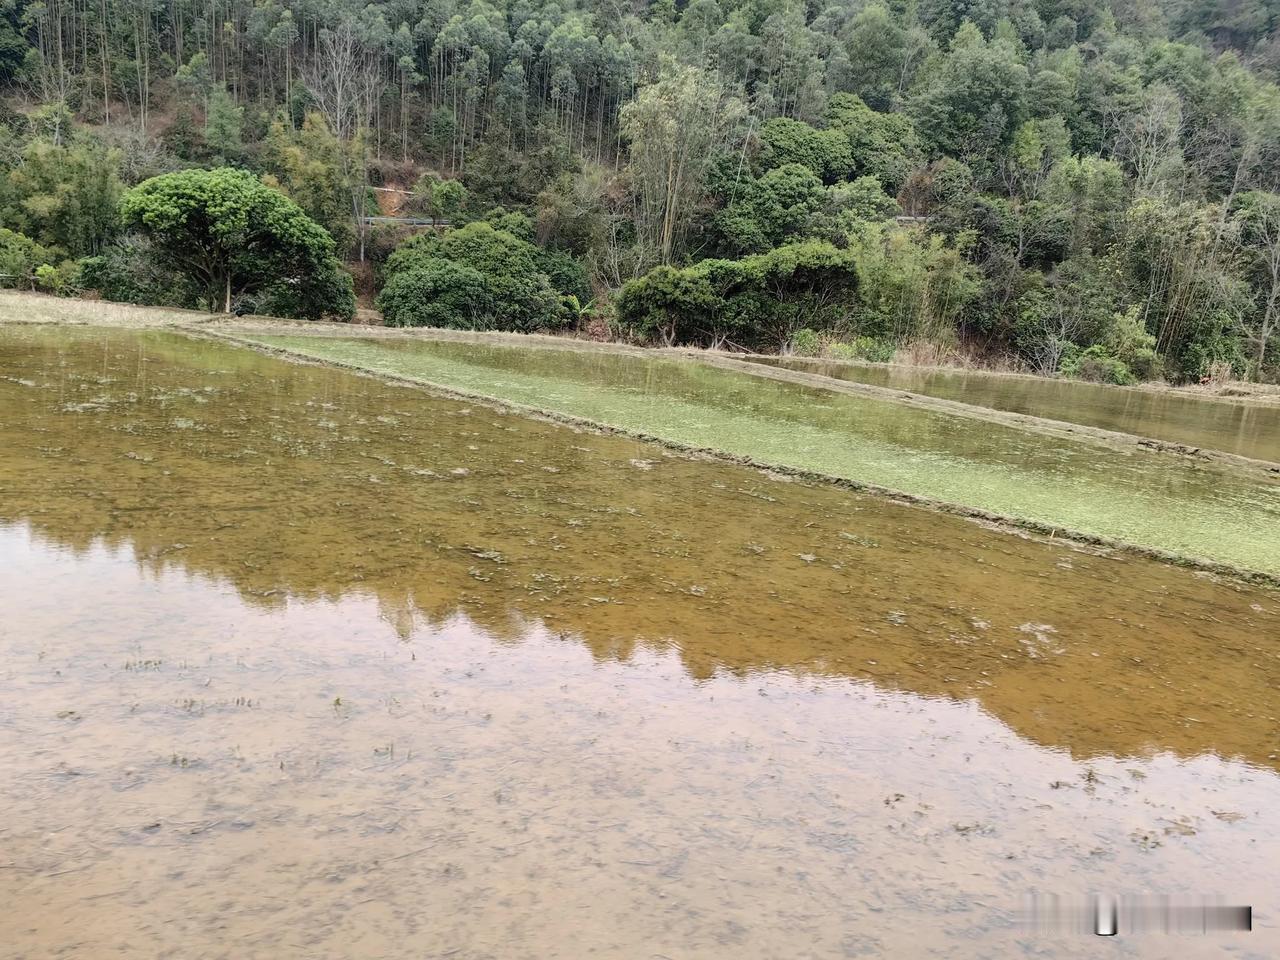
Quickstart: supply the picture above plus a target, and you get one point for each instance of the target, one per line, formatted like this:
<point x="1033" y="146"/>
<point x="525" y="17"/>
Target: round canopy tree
<point x="233" y="235"/>
<point x="436" y="292"/>
<point x="475" y="278"/>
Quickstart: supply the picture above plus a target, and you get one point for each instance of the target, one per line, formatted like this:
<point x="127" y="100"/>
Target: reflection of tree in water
<point x="306" y="483"/>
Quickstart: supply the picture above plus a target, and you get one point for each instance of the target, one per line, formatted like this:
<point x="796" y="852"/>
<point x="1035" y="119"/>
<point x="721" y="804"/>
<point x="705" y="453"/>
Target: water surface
<point x="1247" y="429"/>
<point x="300" y="664"/>
<point x="1134" y="495"/>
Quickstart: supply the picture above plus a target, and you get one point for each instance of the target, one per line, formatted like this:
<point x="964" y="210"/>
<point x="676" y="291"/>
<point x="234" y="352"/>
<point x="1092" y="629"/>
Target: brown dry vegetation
<point x="17" y="306"/>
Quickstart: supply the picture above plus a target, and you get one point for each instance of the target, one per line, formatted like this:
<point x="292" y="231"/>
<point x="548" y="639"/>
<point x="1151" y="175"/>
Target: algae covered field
<point x="1247" y="427"/>
<point x="1132" y="495"/>
<point x="303" y="663"/>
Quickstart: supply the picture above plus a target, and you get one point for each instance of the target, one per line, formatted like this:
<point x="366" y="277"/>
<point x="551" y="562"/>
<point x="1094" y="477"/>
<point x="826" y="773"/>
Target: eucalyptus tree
<point x="1101" y="143"/>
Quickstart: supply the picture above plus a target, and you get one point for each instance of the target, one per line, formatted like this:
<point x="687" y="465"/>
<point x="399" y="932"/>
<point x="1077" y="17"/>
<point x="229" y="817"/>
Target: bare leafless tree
<point x="344" y="77"/>
<point x="1149" y="140"/>
<point x="1259" y="244"/>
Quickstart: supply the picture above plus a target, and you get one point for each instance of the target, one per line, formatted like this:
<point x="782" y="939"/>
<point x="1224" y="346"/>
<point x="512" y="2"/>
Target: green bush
<point x="21" y="258"/>
<point x="128" y="272"/>
<point x="1202" y="357"/>
<point x="443" y="199"/>
<point x="330" y="293"/>
<point x="566" y="273"/>
<point x="760" y="301"/>
<point x="771" y="210"/>
<point x="514" y="222"/>
<point x="437" y="293"/>
<point x="806" y="343"/>
<point x="59" y="280"/>
<point x="824" y="152"/>
<point x="669" y="304"/>
<point x="1129" y="341"/>
<point x="504" y="286"/>
<point x="869" y="349"/>
<point x="1096" y="364"/>
<point x="46" y="277"/>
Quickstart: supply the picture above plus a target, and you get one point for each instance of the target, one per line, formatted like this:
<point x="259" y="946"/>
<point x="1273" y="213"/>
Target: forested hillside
<point x="1079" y="186"/>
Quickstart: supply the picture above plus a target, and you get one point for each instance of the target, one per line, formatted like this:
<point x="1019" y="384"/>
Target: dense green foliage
<point x="129" y="271"/>
<point x="20" y="258"/>
<point x="1051" y="183"/>
<point x="63" y="196"/>
<point x="233" y="236"/>
<point x="474" y="278"/>
<point x="758" y="301"/>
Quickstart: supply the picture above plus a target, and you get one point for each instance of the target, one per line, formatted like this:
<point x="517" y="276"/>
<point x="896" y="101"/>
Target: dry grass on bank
<point x="20" y="306"/>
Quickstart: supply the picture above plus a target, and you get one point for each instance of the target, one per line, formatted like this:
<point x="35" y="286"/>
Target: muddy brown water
<point x="301" y="664"/>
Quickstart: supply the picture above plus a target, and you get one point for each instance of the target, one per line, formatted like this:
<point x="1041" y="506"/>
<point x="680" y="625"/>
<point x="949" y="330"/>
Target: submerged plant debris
<point x="259" y="705"/>
<point x="1135" y="496"/>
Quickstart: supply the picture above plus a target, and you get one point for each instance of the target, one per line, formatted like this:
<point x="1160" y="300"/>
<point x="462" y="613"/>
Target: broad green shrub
<point x="824" y="152"/>
<point x="1096" y="364"/>
<point x="478" y="278"/>
<point x="437" y="293"/>
<point x="20" y="259"/>
<point x="443" y="199"/>
<point x="565" y="272"/>
<point x="1206" y="358"/>
<point x="328" y="293"/>
<point x="514" y="222"/>
<point x="869" y="349"/>
<point x="669" y="304"/>
<point x="46" y="277"/>
<point x="128" y="272"/>
<point x="759" y="301"/>
<point x="1129" y="341"/>
<point x="59" y="280"/>
<point x="806" y="343"/>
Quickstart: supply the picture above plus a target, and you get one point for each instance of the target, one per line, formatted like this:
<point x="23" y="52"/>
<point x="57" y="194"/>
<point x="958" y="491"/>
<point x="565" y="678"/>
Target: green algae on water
<point x="1206" y="511"/>
<point x="1241" y="428"/>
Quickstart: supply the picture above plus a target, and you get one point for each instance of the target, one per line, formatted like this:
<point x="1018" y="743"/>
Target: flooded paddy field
<point x="302" y="664"/>
<point x="1129" y="494"/>
<point x="1248" y="429"/>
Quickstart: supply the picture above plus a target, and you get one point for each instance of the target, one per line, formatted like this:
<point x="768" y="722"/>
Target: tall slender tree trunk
<point x="106" y="67"/>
